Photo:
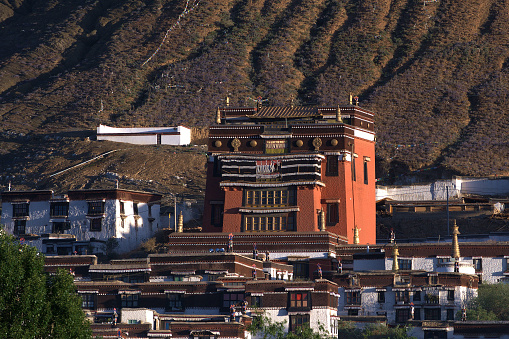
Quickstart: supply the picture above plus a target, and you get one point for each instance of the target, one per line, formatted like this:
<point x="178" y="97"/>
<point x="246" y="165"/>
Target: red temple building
<point x="292" y="169"/>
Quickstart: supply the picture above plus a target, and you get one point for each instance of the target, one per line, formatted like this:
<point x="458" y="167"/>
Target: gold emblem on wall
<point x="236" y="144"/>
<point x="253" y="143"/>
<point x="334" y="142"/>
<point x="299" y="143"/>
<point x="317" y="142"/>
<point x="218" y="143"/>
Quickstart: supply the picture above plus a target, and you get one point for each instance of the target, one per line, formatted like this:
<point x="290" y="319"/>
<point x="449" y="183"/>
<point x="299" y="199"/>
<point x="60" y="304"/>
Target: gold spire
<point x="227" y="101"/>
<point x="356" y="235"/>
<point x="218" y="116"/>
<point x="455" y="244"/>
<point x="181" y="223"/>
<point x="351" y="99"/>
<point x="338" y="115"/>
<point x="322" y="220"/>
<point x="395" y="254"/>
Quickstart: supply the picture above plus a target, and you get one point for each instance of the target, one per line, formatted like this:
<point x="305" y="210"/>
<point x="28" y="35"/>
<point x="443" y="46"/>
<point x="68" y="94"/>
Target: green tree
<point x="491" y="303"/>
<point x="33" y="304"/>
<point x="264" y="327"/>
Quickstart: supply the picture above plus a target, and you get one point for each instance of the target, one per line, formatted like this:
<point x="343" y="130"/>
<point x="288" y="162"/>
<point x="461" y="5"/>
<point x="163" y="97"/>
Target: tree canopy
<point x="34" y="304"/>
<point x="491" y="303"/>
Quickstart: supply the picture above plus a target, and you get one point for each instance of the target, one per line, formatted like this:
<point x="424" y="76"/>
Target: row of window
<point x="271" y="223"/>
<point x="264" y="198"/>
<point x="354" y="297"/>
<point x="61" y="209"/>
<point x="404" y="314"/>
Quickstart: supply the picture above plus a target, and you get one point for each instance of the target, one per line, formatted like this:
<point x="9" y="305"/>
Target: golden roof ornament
<point x="356" y="235"/>
<point x="455" y="244"/>
<point x="218" y="116"/>
<point x="180" y="223"/>
<point x="236" y="144"/>
<point x="338" y="114"/>
<point x="395" y="254"/>
<point x="322" y="220"/>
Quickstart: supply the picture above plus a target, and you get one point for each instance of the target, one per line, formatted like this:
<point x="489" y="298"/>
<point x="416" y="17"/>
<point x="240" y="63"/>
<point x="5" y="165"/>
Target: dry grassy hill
<point x="435" y="72"/>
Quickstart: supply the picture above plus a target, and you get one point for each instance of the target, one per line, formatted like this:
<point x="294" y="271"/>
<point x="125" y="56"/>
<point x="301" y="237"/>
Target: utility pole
<point x="447" y="193"/>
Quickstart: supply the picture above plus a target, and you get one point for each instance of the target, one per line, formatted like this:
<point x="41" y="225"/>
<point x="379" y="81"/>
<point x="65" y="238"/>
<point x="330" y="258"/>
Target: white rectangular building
<point x="60" y="224"/>
<point x="177" y="136"/>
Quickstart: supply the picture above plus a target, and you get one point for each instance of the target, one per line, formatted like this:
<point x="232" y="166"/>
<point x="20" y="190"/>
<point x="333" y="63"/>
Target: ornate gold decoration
<point x="299" y="143"/>
<point x="253" y="143"/>
<point x="218" y="116"/>
<point x="334" y="142"/>
<point x="322" y="220"/>
<point x="395" y="254"/>
<point x="236" y="144"/>
<point x="218" y="143"/>
<point x="356" y="235"/>
<point x="317" y="142"/>
<point x="455" y="244"/>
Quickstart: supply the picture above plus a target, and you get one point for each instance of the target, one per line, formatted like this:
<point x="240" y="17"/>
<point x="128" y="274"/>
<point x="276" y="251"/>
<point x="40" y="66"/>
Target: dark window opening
<point x="174" y="302"/>
<point x="353" y="298"/>
<point x="366" y="181"/>
<point x="130" y="300"/>
<point x="95" y="207"/>
<point x="232" y="299"/>
<point x="216" y="216"/>
<point x="402" y="315"/>
<point x="381" y="297"/>
<point x="217" y="167"/>
<point x="88" y="301"/>
<point x="332" y="213"/>
<point x="20" y="210"/>
<point x="135" y="208"/>
<point x="298" y="320"/>
<point x="59" y="209"/>
<point x="432" y="314"/>
<point x="332" y="165"/>
<point x="96" y="224"/>
<point x="60" y="227"/>
<point x="20" y="227"/>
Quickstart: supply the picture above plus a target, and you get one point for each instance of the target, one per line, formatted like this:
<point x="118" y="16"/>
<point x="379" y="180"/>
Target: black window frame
<point x="450" y="295"/>
<point x="89" y="301"/>
<point x="59" y="209"/>
<point x="174" y="302"/>
<point x="58" y="227"/>
<point x="434" y="313"/>
<point x="130" y="300"/>
<point x="20" y="210"/>
<point x="20" y="224"/>
<point x="449" y="314"/>
<point x="353" y="297"/>
<point x="96" y="207"/>
<point x="332" y="213"/>
<point x="366" y="178"/>
<point x="298" y="320"/>
<point x="332" y="166"/>
<point x="402" y="315"/>
<point x="216" y="214"/>
<point x="230" y="298"/>
<point x="381" y="297"/>
<point x="96" y="224"/>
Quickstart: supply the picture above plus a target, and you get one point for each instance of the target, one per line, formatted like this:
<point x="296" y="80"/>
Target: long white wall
<point x="145" y="135"/>
<point x="437" y="190"/>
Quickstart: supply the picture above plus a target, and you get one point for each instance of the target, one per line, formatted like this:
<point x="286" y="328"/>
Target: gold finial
<point x="351" y="99"/>
<point x="218" y="116"/>
<point x="338" y="114"/>
<point x="455" y="244"/>
<point x="227" y="101"/>
<point x="322" y="220"/>
<point x="181" y="223"/>
<point x="356" y="235"/>
<point x="395" y="254"/>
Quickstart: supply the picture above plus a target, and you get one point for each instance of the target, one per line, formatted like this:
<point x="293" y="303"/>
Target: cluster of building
<point x="289" y="230"/>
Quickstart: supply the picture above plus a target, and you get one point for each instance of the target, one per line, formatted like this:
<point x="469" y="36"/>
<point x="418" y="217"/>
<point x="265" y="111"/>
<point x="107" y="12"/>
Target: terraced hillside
<point x="435" y="72"/>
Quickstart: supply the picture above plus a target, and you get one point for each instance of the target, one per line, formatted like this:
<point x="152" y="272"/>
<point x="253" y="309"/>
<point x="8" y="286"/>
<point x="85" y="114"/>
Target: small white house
<point x="177" y="136"/>
<point x="79" y="220"/>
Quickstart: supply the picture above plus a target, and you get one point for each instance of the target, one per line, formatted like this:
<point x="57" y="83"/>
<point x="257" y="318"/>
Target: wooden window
<point x="256" y="301"/>
<point x="174" y="302"/>
<point x="266" y="223"/>
<point x="402" y="297"/>
<point x="130" y="300"/>
<point x="135" y="208"/>
<point x="450" y="295"/>
<point x="88" y="300"/>
<point x="450" y="314"/>
<point x="402" y="315"/>
<point x="59" y="209"/>
<point x="95" y="207"/>
<point x="405" y="264"/>
<point x="232" y="299"/>
<point x="332" y="213"/>
<point x="20" y="210"/>
<point x="381" y="297"/>
<point x="216" y="215"/>
<point x="366" y="180"/>
<point x="298" y="320"/>
<point x="332" y="165"/>
<point x="20" y="227"/>
<point x="417" y="296"/>
<point x="477" y="264"/>
<point x="432" y="314"/>
<point x="299" y="300"/>
<point x="301" y="270"/>
<point x="268" y="198"/>
<point x="353" y="297"/>
<point x="96" y="224"/>
<point x="60" y="227"/>
<point x="122" y="207"/>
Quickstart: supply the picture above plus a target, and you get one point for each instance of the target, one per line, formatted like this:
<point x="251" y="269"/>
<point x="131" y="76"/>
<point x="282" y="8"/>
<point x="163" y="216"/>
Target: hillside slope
<point x="435" y="72"/>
